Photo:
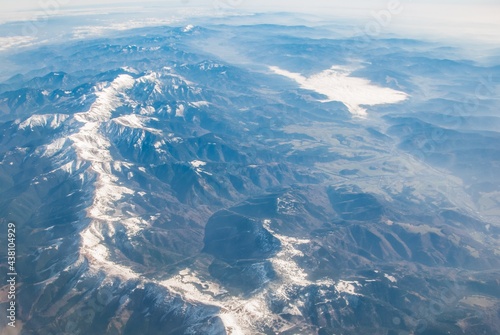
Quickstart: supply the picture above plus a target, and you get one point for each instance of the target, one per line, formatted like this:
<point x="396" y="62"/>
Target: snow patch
<point x="205" y="66"/>
<point x="135" y="121"/>
<point x="391" y="278"/>
<point x="54" y="147"/>
<point x="179" y="112"/>
<point x="199" y="104"/>
<point x="152" y="77"/>
<point x="170" y="72"/>
<point x="348" y="287"/>
<point x="148" y="110"/>
<point x="159" y="144"/>
<point x="285" y="265"/>
<point x="130" y="69"/>
<point x="43" y="120"/>
<point x="188" y="28"/>
<point x="171" y="138"/>
<point x="197" y="163"/>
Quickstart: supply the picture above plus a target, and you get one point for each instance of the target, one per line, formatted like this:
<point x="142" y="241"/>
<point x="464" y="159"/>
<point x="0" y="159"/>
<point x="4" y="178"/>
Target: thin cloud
<point x="16" y="42"/>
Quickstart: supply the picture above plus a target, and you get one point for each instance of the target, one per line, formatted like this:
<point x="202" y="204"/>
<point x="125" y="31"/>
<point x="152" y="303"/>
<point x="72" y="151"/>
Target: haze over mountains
<point x="252" y="179"/>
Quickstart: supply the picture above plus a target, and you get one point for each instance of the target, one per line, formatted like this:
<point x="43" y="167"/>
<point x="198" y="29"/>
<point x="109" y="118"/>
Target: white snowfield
<point x="337" y="84"/>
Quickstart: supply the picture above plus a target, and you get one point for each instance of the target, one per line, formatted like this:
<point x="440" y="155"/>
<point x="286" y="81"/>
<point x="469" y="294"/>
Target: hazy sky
<point x="472" y="19"/>
<point x="284" y="4"/>
<point x="252" y="4"/>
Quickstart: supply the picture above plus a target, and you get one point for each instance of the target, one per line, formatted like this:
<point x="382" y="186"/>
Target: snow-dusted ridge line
<point x="92" y="146"/>
<point x="107" y="100"/>
<point x="135" y="121"/>
<point x="337" y="84"/>
<point x="84" y="151"/>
